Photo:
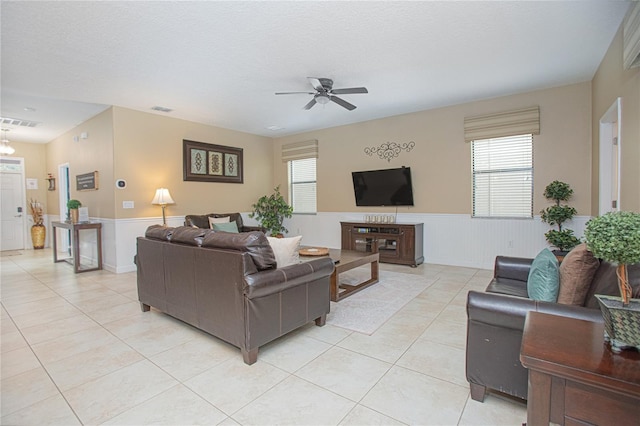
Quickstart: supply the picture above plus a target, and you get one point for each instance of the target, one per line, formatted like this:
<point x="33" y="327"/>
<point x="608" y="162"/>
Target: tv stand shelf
<point x="400" y="243"/>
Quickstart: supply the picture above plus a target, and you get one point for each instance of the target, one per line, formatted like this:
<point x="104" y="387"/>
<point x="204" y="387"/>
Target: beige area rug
<point x="7" y="253"/>
<point x="368" y="309"/>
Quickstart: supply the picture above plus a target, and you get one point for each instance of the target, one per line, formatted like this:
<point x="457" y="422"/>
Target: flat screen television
<point x="388" y="187"/>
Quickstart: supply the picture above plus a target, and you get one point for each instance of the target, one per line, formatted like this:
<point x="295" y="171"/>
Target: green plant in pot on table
<point x="73" y="206"/>
<point x="615" y="237"/>
<point x="557" y="214"/>
<point x="270" y="211"/>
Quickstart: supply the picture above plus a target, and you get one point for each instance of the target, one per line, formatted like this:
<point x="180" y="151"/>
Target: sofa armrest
<point x="272" y="281"/>
<point x="500" y="310"/>
<point x="513" y="268"/>
<point x="246" y="228"/>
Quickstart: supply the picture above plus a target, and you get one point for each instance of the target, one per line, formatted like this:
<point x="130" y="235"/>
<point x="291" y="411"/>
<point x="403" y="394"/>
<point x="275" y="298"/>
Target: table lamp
<point x="162" y="198"/>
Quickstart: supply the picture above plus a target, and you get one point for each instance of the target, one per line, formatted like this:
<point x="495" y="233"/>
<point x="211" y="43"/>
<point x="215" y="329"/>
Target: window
<point x="302" y="185"/>
<point x="503" y="176"/>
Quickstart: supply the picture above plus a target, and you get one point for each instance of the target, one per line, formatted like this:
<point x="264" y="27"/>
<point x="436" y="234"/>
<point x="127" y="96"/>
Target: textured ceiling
<point x="219" y="63"/>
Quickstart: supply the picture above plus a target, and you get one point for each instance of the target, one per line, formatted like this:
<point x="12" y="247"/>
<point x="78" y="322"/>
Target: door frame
<point x="609" y="179"/>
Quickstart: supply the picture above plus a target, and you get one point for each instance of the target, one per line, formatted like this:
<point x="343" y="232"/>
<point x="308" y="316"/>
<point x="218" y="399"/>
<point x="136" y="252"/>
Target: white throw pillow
<point x="213" y="220"/>
<point x="286" y="250"/>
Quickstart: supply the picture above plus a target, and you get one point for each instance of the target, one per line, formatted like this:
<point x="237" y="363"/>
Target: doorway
<point x="64" y="239"/>
<point x="610" y="142"/>
<point x="13" y="202"/>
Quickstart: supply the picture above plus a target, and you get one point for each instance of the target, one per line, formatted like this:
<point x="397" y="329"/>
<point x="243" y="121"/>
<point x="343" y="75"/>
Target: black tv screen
<point x="389" y="187"/>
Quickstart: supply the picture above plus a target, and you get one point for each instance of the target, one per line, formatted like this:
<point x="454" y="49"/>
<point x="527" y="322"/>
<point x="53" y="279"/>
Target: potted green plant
<point x="557" y="214"/>
<point x="270" y="211"/>
<point x="615" y="237"/>
<point x="73" y="206"/>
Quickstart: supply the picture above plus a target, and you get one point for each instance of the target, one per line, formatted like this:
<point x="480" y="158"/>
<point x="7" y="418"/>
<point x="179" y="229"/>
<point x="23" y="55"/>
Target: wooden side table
<point x="574" y="377"/>
<point x="75" y="229"/>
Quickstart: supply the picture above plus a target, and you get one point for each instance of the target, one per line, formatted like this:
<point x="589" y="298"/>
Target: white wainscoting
<point x="449" y="239"/>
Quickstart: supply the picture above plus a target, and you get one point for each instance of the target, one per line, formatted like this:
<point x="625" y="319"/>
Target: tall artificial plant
<point x="557" y="214"/>
<point x="615" y="237"/>
<point x="270" y="211"/>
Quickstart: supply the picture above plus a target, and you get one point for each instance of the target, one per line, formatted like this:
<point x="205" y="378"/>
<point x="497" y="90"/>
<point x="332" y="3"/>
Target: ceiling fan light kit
<point x="324" y="93"/>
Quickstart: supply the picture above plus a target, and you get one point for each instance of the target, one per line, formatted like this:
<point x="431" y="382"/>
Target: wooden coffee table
<point x="345" y="260"/>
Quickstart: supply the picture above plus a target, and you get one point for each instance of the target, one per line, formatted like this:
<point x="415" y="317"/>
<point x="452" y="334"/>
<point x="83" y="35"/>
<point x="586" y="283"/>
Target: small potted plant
<point x="270" y="211"/>
<point x="615" y="237"/>
<point x="562" y="239"/>
<point x="73" y="206"/>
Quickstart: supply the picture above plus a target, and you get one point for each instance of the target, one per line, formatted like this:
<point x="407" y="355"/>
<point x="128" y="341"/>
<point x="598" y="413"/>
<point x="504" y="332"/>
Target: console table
<point x="399" y="243"/>
<point x="75" y="229"/>
<point x="574" y="377"/>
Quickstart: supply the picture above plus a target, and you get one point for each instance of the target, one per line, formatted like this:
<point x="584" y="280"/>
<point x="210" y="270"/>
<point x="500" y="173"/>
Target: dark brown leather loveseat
<point x="202" y="221"/>
<point x="227" y="284"/>
<point x="495" y="322"/>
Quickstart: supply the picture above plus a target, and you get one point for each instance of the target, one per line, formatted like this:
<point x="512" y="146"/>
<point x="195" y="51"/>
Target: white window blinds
<point x="302" y="185"/>
<point x="503" y="176"/>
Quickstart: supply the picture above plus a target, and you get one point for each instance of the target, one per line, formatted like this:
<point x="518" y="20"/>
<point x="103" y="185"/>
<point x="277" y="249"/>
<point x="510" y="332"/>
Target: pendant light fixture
<point x="5" y="148"/>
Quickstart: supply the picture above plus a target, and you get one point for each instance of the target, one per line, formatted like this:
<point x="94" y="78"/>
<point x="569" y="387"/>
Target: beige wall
<point x="441" y="160"/>
<point x="35" y="166"/>
<point x="148" y="152"/>
<point x="610" y="82"/>
<point x="85" y="156"/>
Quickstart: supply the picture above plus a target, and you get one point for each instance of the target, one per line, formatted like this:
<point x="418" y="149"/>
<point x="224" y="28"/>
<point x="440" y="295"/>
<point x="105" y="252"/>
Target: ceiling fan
<point x="324" y="92"/>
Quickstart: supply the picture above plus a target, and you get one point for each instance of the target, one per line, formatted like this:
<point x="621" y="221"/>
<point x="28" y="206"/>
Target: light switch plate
<point x="127" y="204"/>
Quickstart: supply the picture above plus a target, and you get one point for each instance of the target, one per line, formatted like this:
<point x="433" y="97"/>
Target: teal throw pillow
<point x="544" y="277"/>
<point x="226" y="227"/>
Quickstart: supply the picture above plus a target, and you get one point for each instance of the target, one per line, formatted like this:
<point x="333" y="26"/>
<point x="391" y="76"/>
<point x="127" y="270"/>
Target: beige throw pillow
<point x="576" y="274"/>
<point x="213" y="220"/>
<point x="286" y="250"/>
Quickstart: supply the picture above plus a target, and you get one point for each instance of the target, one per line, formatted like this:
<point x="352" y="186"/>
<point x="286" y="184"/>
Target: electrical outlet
<point x="510" y="245"/>
<point x="127" y="204"/>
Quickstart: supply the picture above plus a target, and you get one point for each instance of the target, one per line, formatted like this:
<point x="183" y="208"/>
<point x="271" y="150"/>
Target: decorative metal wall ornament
<point x="389" y="150"/>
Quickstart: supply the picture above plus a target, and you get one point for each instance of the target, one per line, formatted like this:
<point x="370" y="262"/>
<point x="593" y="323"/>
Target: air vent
<point x="18" y="122"/>
<point x="161" y="109"/>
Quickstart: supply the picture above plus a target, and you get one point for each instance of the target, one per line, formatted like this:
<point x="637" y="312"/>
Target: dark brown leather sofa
<point x="227" y="284"/>
<point x="202" y="221"/>
<point x="495" y="322"/>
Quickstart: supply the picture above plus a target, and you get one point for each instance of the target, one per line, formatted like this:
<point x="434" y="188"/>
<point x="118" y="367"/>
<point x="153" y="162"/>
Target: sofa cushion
<point x="255" y="243"/>
<point x="188" y="235"/>
<point x="159" y="232"/>
<point x="576" y="274"/>
<point x="544" y="277"/>
<point x="213" y="220"/>
<point x="225" y="227"/>
<point x="286" y="250"/>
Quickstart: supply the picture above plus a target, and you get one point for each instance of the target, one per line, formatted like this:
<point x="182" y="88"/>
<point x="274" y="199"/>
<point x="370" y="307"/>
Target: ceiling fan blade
<point x="315" y="82"/>
<point x="343" y="103"/>
<point x="295" y="93"/>
<point x="311" y="103"/>
<point x="350" y="91"/>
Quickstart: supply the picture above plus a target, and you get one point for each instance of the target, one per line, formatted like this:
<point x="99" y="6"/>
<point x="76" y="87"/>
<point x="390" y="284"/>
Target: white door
<point x="12" y="211"/>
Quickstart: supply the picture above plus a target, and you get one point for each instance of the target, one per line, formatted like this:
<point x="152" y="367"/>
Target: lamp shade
<point x="162" y="197"/>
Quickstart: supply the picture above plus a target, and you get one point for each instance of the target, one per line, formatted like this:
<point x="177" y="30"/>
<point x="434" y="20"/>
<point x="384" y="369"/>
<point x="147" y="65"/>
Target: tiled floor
<point x="76" y="349"/>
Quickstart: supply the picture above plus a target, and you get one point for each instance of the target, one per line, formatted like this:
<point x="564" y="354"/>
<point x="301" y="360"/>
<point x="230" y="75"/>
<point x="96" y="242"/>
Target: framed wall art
<point x="205" y="162"/>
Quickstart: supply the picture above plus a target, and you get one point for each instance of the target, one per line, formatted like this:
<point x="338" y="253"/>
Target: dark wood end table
<point x="574" y="376"/>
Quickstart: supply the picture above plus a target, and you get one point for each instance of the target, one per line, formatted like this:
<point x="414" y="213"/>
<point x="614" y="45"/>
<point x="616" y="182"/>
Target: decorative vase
<point x="73" y="215"/>
<point x="38" y="233"/>
<point x="621" y="323"/>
